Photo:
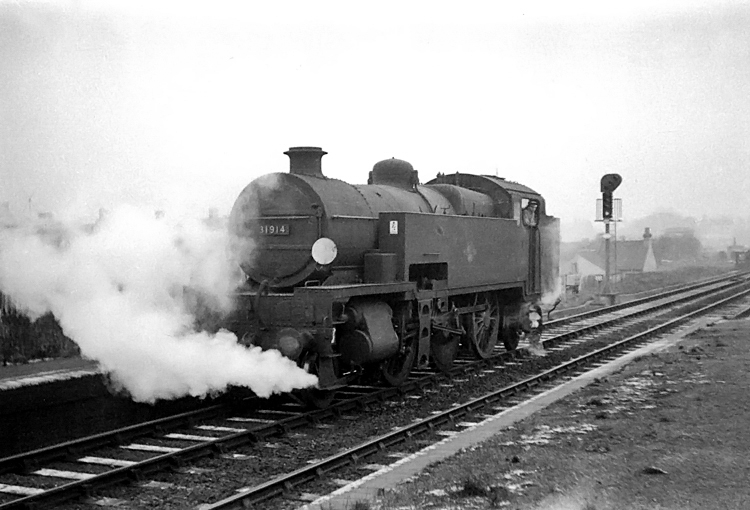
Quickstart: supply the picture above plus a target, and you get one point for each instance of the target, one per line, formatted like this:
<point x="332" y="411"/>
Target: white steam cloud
<point x="550" y="298"/>
<point x="118" y="291"/>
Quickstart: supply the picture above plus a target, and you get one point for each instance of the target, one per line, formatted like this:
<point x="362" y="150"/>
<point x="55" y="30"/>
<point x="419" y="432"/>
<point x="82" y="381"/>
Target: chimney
<point x="305" y="160"/>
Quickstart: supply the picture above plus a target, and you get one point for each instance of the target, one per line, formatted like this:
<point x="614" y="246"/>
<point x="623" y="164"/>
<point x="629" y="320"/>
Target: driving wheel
<point x="482" y="329"/>
<point x="398" y="367"/>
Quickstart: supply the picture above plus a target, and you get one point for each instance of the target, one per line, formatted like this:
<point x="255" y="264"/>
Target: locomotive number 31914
<point x="275" y="230"/>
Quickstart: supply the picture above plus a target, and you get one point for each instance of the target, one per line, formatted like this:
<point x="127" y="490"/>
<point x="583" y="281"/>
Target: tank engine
<point x="373" y="280"/>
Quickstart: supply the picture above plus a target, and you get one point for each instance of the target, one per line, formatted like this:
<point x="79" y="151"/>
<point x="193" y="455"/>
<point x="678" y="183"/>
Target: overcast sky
<point x="179" y="106"/>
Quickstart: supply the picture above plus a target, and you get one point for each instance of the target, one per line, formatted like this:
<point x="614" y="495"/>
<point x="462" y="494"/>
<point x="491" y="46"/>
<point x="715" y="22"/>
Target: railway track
<point x="450" y="421"/>
<point x="136" y="453"/>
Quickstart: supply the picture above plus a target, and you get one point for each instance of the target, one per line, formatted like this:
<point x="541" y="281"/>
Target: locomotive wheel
<point x="482" y="328"/>
<point x="397" y="368"/>
<point x="443" y="349"/>
<point x="314" y="397"/>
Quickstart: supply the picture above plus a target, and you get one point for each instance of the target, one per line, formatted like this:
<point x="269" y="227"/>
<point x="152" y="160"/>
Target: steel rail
<point x="643" y="300"/>
<point x="29" y="460"/>
<point x="637" y="313"/>
<point x="284" y="483"/>
<point x="32" y="459"/>
<point x="176" y="459"/>
<point x="744" y="313"/>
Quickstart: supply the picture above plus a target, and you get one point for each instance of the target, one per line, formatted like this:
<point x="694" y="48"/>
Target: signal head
<point x="610" y="182"/>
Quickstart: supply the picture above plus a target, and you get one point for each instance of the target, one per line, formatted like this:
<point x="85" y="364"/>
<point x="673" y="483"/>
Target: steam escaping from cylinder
<point x="552" y="292"/>
<point x="553" y="297"/>
<point x="126" y="291"/>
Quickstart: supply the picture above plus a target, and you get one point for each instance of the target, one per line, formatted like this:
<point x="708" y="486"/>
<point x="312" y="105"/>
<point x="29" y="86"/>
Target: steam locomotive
<point x="367" y="282"/>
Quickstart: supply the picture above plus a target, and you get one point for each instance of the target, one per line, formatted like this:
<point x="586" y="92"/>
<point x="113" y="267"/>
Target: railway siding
<point x="666" y="431"/>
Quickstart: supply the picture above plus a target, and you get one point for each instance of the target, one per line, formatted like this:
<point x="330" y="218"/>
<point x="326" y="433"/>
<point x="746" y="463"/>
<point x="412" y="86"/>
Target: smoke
<point x="122" y="290"/>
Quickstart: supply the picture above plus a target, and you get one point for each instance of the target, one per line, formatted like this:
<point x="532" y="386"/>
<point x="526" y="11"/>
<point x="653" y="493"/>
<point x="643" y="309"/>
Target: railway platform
<point x="62" y="399"/>
<point x="45" y="371"/>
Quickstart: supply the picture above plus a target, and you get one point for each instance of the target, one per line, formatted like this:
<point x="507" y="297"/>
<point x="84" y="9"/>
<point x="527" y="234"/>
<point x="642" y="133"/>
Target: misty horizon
<point x="178" y="107"/>
<point x="729" y="229"/>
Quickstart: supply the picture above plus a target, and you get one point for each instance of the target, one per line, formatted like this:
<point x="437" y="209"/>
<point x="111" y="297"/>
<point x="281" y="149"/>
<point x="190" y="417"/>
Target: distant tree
<point x="677" y="247"/>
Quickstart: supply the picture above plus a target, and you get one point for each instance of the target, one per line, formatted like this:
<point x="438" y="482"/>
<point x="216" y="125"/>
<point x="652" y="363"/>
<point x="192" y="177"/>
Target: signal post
<point x="608" y="185"/>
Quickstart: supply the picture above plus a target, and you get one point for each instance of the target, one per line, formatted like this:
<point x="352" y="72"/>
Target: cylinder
<point x="374" y="338"/>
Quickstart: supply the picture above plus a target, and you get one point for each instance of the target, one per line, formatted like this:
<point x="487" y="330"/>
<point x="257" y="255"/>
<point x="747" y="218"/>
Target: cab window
<point x="530" y="212"/>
